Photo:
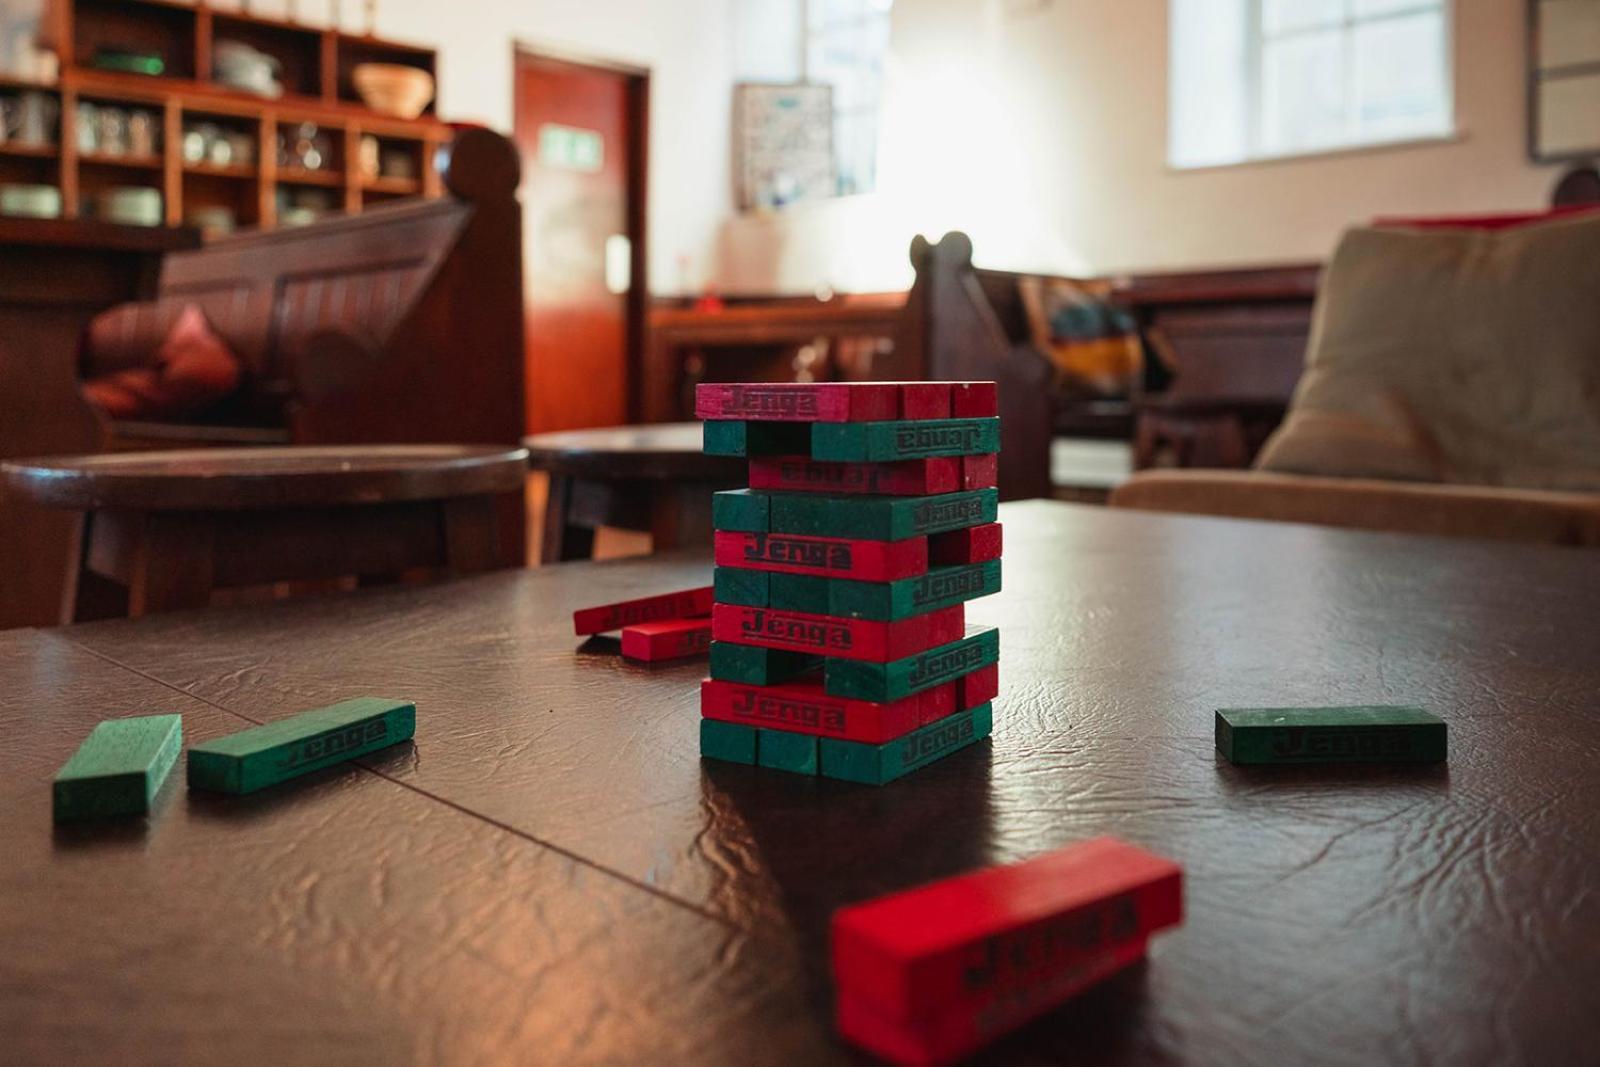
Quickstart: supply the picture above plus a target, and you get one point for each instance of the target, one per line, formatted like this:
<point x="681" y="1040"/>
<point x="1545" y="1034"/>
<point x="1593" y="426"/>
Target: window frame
<point x="1254" y="51"/>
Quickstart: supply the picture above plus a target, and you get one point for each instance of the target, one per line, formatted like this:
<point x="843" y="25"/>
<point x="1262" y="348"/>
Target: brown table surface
<point x="663" y="451"/>
<point x="550" y="874"/>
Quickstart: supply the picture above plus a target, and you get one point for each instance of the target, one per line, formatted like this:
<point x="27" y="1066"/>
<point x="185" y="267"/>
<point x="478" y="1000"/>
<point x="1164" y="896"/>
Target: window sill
<point x="1432" y="140"/>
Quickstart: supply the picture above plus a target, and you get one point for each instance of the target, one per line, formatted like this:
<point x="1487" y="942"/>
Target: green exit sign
<point x="570" y="148"/>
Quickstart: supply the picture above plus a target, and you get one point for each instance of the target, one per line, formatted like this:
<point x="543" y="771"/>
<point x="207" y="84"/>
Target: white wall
<point x="1039" y="126"/>
<point x="686" y="45"/>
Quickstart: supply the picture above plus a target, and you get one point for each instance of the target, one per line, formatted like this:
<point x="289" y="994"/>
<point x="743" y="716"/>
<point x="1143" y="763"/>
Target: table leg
<point x="93" y="596"/>
<point x="563" y="541"/>
<point x="172" y="564"/>
<point x="471" y="534"/>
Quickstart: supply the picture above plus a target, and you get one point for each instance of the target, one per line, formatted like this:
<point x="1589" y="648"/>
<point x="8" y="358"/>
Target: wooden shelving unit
<point x="316" y="74"/>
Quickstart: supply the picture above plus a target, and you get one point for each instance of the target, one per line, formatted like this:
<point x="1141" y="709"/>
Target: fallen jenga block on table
<point x="933" y="973"/>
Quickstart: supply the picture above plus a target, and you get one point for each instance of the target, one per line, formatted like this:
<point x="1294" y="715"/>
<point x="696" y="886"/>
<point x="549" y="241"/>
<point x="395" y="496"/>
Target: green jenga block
<point x="902" y="677"/>
<point x="740" y="509"/>
<point x="880" y="518"/>
<point x="118" y="769"/>
<point x="734" y="585"/>
<point x="800" y="592"/>
<point x="720" y="438"/>
<point x="727" y="741"/>
<point x="889" y="601"/>
<point x="266" y="755"/>
<point x="758" y="666"/>
<point x="878" y="442"/>
<point x="878" y="764"/>
<point x="787" y="752"/>
<point x="1365" y="734"/>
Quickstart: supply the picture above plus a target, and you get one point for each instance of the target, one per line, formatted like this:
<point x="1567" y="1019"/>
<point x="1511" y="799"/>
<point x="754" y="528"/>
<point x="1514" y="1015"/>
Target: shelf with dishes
<point x="217" y="113"/>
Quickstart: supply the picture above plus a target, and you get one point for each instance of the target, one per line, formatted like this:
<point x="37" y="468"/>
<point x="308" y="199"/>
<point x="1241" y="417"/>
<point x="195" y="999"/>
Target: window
<point x="840" y="43"/>
<point x="1259" y="79"/>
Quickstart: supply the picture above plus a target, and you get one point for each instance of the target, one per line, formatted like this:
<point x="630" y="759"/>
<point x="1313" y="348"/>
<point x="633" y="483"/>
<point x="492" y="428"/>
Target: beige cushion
<point x="1455" y="356"/>
<point x="1404" y="507"/>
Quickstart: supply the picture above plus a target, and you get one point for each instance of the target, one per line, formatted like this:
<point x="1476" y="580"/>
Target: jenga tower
<point x="839" y="638"/>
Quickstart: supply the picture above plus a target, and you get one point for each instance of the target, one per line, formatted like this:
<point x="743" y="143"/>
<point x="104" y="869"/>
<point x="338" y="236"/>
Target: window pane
<point x="855" y="151"/>
<point x="1366" y="8"/>
<point x="1302" y="92"/>
<point x="768" y="41"/>
<point x="1290" y="16"/>
<point x="1208" y="109"/>
<point x="851" y="60"/>
<point x="824" y="13"/>
<point x="1400" y="78"/>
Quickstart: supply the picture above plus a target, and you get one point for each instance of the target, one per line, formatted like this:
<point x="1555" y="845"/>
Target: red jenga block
<point x="940" y="701"/>
<point x="669" y="639"/>
<point x="837" y="636"/>
<point x="925" y="400"/>
<point x="961" y="961"/>
<point x="826" y="557"/>
<point x="980" y="471"/>
<point x="974" y="400"/>
<point x="912" y="477"/>
<point x="974" y="544"/>
<point x="805" y="402"/>
<point x="979" y="687"/>
<point x="952" y="1035"/>
<point x="684" y="604"/>
<point x="805" y="708"/>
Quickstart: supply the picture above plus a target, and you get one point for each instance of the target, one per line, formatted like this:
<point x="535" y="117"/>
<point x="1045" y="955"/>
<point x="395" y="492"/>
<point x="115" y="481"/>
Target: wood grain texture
<point x="1353" y="914"/>
<point x="349" y="918"/>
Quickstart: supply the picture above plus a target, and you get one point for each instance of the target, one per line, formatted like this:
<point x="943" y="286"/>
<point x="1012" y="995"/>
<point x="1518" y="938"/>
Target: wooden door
<point x="580" y="131"/>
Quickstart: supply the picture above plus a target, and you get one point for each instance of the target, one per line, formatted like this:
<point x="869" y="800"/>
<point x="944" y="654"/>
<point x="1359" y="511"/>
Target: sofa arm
<point x="1540" y="516"/>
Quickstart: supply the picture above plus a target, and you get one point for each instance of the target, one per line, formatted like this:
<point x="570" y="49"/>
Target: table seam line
<point x="452" y="805"/>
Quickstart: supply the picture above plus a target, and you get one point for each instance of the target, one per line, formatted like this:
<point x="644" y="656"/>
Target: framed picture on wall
<point x="1563" y="79"/>
<point x="782" y="144"/>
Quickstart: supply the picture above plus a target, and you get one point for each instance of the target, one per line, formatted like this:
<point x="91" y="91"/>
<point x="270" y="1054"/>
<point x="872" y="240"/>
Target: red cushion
<point x="1483" y="222"/>
<point x="191" y="369"/>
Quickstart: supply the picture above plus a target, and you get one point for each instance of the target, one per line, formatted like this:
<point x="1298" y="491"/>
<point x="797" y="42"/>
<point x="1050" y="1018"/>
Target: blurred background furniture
<point x="350" y="330"/>
<point x="55" y="275"/>
<point x="224" y="115"/>
<point x="842" y="338"/>
<point x="963" y="324"/>
<point x="1472" y="411"/>
<point x="347" y="331"/>
<point x="653" y="479"/>
<point x="1223" y="351"/>
<point x="161" y="531"/>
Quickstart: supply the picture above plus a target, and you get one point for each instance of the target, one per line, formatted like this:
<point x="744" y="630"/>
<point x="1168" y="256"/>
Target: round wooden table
<point x="650" y="478"/>
<point x="169" y="528"/>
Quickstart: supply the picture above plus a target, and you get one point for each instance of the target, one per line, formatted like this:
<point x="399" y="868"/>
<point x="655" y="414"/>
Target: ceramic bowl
<point x="393" y="89"/>
<point x="30" y="201"/>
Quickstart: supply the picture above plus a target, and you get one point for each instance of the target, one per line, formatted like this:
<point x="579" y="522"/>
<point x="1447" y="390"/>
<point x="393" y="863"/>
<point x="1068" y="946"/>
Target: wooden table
<point x="56" y="275"/>
<point x="655" y="479"/>
<point x="169" y="528"/>
<point x="550" y="873"/>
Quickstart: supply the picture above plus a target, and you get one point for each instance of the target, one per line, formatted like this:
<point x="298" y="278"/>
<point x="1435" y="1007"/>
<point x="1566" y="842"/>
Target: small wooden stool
<point x="649" y="478"/>
<point x="168" y="528"/>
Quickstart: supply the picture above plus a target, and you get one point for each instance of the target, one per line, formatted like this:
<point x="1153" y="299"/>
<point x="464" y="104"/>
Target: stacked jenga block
<point x="840" y="644"/>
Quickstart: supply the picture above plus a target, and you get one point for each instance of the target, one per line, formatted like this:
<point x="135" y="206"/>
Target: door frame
<point x="525" y="52"/>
